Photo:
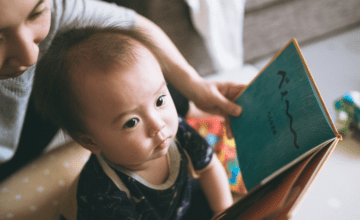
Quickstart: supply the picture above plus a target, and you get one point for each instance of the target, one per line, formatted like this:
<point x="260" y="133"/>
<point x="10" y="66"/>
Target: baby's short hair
<point x="105" y="46"/>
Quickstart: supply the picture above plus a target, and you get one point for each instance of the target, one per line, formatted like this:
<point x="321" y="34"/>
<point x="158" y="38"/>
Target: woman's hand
<point x="211" y="97"/>
<point x="217" y="98"/>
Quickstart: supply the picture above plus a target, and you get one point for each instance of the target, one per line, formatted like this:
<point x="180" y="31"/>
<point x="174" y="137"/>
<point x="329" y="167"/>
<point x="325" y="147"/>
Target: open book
<point x="283" y="137"/>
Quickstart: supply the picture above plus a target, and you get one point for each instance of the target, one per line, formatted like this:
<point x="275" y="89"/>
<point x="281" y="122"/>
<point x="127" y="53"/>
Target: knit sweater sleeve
<point x="14" y="96"/>
<point x="15" y="92"/>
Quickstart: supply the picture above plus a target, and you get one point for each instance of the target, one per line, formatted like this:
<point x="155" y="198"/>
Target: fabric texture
<point x="99" y="198"/>
<point x="43" y="189"/>
<point x="15" y="93"/>
<point x="181" y="102"/>
<point x="220" y="23"/>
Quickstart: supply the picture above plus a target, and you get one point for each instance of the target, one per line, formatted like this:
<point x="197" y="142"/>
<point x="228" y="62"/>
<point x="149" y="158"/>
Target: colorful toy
<point x="214" y="131"/>
<point x="348" y="112"/>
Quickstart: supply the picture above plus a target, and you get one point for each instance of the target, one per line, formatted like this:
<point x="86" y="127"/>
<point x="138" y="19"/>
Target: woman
<point x="27" y="28"/>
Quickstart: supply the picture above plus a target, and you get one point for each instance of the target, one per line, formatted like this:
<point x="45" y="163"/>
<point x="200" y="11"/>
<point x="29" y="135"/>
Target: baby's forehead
<point x="91" y="62"/>
<point x="105" y="55"/>
<point x="108" y="56"/>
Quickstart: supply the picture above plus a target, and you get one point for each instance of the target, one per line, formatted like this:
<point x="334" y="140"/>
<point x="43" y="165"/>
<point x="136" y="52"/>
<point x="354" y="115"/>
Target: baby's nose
<point x="156" y="127"/>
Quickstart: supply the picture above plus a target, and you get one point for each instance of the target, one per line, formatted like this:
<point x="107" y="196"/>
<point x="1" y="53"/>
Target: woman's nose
<point x="25" y="49"/>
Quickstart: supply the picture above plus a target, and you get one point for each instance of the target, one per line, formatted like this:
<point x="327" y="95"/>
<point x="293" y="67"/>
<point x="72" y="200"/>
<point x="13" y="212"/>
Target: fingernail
<point x="230" y="135"/>
<point x="238" y="111"/>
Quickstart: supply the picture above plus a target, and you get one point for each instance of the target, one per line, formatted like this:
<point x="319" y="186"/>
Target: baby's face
<point x="129" y="112"/>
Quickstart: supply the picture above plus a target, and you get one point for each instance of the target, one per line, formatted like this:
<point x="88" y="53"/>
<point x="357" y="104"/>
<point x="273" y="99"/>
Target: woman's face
<point x="23" y="25"/>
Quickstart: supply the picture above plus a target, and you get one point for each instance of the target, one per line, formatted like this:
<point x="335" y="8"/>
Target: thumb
<point x="229" y="107"/>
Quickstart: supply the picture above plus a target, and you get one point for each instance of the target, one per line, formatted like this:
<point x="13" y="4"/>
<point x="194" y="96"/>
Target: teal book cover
<point x="283" y="119"/>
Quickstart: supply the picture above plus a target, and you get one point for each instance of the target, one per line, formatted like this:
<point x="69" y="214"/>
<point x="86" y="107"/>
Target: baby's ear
<point x="87" y="142"/>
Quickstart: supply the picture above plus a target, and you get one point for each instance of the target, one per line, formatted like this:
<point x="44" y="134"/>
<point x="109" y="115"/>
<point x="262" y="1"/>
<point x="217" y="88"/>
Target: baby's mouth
<point x="164" y="143"/>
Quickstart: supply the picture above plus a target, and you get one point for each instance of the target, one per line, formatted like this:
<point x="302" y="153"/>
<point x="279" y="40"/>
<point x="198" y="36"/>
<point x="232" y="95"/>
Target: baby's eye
<point x="160" y="101"/>
<point x="131" y="123"/>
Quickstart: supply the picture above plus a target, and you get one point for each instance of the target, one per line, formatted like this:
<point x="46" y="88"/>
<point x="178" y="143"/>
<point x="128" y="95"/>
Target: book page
<point x="283" y="118"/>
<point x="317" y="148"/>
<point x="278" y="198"/>
<point x="268" y="198"/>
<point x="301" y="186"/>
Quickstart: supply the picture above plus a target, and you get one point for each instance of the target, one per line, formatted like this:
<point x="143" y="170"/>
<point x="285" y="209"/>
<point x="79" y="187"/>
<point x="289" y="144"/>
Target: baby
<point x="105" y="88"/>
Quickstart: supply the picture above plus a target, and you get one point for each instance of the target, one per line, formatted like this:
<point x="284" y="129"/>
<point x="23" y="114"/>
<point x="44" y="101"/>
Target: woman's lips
<point x="7" y="73"/>
<point x="13" y="75"/>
